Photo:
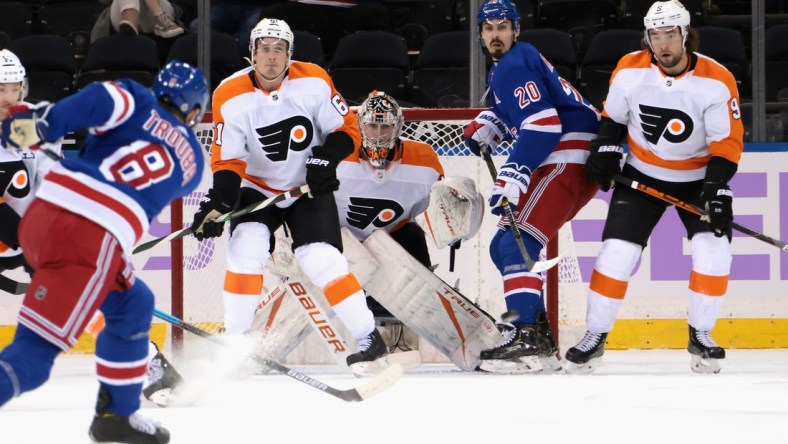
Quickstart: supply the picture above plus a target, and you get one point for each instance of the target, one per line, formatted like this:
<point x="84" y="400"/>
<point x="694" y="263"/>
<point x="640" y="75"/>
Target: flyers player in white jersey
<point x="679" y="111"/>
<point x="277" y="124"/>
<point x="384" y="185"/>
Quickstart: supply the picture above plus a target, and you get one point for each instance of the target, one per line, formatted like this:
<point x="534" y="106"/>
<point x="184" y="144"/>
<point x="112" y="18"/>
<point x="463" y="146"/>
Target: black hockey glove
<point x="717" y="196"/>
<point x="321" y="171"/>
<point x="604" y="162"/>
<point x="211" y="207"/>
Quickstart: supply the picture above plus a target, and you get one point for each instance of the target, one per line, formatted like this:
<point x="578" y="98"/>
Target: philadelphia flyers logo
<point x="675" y="126"/>
<point x="294" y="133"/>
<point x="363" y="212"/>
<point x="15" y="179"/>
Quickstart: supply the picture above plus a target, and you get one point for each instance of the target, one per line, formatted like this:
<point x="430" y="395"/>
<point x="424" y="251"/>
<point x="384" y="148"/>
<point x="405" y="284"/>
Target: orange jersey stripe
<point x="607" y="286"/>
<point x="341" y="288"/>
<point x="708" y="285"/>
<point x="651" y="158"/>
<point x="237" y="283"/>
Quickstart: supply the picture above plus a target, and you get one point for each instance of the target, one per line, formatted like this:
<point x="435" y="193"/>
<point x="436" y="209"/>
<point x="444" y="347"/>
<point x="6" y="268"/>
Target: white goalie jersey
<point x="366" y="203"/>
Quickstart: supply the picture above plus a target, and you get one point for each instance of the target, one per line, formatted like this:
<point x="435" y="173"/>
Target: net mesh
<point x="472" y="271"/>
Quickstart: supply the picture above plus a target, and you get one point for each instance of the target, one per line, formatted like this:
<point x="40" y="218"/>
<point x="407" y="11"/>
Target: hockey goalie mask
<point x="667" y="14"/>
<point x="380" y="121"/>
<point x="12" y="71"/>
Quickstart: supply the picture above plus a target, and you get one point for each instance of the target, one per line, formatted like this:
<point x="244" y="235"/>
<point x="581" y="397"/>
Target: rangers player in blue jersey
<point x="88" y="213"/>
<point x="551" y="125"/>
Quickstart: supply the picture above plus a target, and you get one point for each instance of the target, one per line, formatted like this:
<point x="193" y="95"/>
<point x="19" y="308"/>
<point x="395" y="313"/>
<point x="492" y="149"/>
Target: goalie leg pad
<point x="433" y="309"/>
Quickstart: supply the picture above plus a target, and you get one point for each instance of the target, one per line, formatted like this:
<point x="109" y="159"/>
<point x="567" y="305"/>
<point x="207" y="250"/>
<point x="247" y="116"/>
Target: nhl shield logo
<point x="41" y="292"/>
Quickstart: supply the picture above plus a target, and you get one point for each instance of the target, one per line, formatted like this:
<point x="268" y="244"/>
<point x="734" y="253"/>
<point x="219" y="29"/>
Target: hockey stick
<point x="534" y="267"/>
<point x="381" y="382"/>
<point x="696" y="210"/>
<point x="225" y="217"/>
<point x="9" y="285"/>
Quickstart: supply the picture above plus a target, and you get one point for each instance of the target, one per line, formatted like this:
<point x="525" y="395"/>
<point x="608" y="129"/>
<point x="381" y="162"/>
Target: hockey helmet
<point x="12" y="71"/>
<point x="670" y="13"/>
<point x="275" y="28"/>
<point x="380" y="121"/>
<point x="493" y="10"/>
<point x="182" y="86"/>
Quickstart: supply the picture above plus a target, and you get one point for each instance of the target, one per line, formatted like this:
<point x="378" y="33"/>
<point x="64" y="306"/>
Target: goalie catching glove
<point x="26" y="126"/>
<point x="455" y="212"/>
<point x="484" y="132"/>
<point x="511" y="183"/>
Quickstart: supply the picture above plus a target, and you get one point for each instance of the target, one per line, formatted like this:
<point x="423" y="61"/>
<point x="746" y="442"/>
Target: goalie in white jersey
<point x="679" y="111"/>
<point x="277" y="124"/>
<point x="385" y="185"/>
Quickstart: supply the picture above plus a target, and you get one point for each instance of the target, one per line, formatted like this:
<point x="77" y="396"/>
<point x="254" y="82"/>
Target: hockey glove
<point x="321" y="172"/>
<point x="484" y="132"/>
<point x="211" y="207"/>
<point x="719" y="206"/>
<point x="716" y="196"/>
<point x="25" y="126"/>
<point x="603" y="163"/>
<point x="511" y="183"/>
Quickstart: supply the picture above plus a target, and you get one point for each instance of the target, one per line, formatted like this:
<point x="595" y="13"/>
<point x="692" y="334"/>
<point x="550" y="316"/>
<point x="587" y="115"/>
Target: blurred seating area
<point x="421" y="56"/>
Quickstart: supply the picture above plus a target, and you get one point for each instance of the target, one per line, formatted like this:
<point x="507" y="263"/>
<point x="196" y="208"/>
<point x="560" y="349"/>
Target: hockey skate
<point x="134" y="429"/>
<point x="518" y="352"/>
<point x="370" y="355"/>
<point x="402" y="343"/>
<point x="586" y="356"/>
<point x="705" y="352"/>
<point x="163" y="380"/>
<point x="548" y="350"/>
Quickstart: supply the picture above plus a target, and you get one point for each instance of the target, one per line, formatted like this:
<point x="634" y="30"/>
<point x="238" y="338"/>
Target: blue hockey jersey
<point x="136" y="160"/>
<point x="549" y="120"/>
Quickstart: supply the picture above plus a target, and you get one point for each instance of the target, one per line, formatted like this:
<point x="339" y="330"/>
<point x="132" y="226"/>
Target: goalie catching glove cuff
<point x="511" y="183"/>
<point x="211" y="207"/>
<point x="484" y="132"/>
<point x="321" y="172"/>
<point x="26" y="126"/>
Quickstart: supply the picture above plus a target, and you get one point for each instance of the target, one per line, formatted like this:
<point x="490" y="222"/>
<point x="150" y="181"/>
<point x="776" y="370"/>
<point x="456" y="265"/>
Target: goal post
<point x="198" y="268"/>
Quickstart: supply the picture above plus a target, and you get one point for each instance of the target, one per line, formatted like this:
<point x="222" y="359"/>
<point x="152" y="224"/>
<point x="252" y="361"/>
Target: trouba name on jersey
<point x="172" y="136"/>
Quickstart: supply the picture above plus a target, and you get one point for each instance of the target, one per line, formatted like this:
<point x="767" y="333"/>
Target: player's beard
<point x="498" y="52"/>
<point x="670" y="62"/>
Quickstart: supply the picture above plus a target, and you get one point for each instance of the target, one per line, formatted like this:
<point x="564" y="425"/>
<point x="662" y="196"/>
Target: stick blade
<point x="381" y="382"/>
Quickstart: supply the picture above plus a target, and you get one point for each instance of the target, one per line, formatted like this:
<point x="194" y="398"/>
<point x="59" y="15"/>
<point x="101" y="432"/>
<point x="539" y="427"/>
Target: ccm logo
<point x="316" y="161"/>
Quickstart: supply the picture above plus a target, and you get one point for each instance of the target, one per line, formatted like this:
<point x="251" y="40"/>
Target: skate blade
<point x="163" y="397"/>
<point x="582" y="369"/>
<point x="704" y="366"/>
<point x="550" y="363"/>
<point x="362" y="369"/>
<point x="525" y="364"/>
<point x="407" y="359"/>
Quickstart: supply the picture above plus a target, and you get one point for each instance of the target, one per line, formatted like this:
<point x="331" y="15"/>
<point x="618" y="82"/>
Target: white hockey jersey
<point x="366" y="203"/>
<point x="675" y="124"/>
<point x="21" y="172"/>
<point x="266" y="137"/>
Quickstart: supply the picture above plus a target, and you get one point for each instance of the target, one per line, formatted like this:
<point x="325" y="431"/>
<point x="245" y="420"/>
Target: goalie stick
<point x="532" y="265"/>
<point x="303" y="189"/>
<point x="9" y="285"/>
<point x="379" y="383"/>
<point x="696" y="210"/>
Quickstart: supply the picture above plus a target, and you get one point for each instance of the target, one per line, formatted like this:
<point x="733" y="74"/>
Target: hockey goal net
<point x="198" y="267"/>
